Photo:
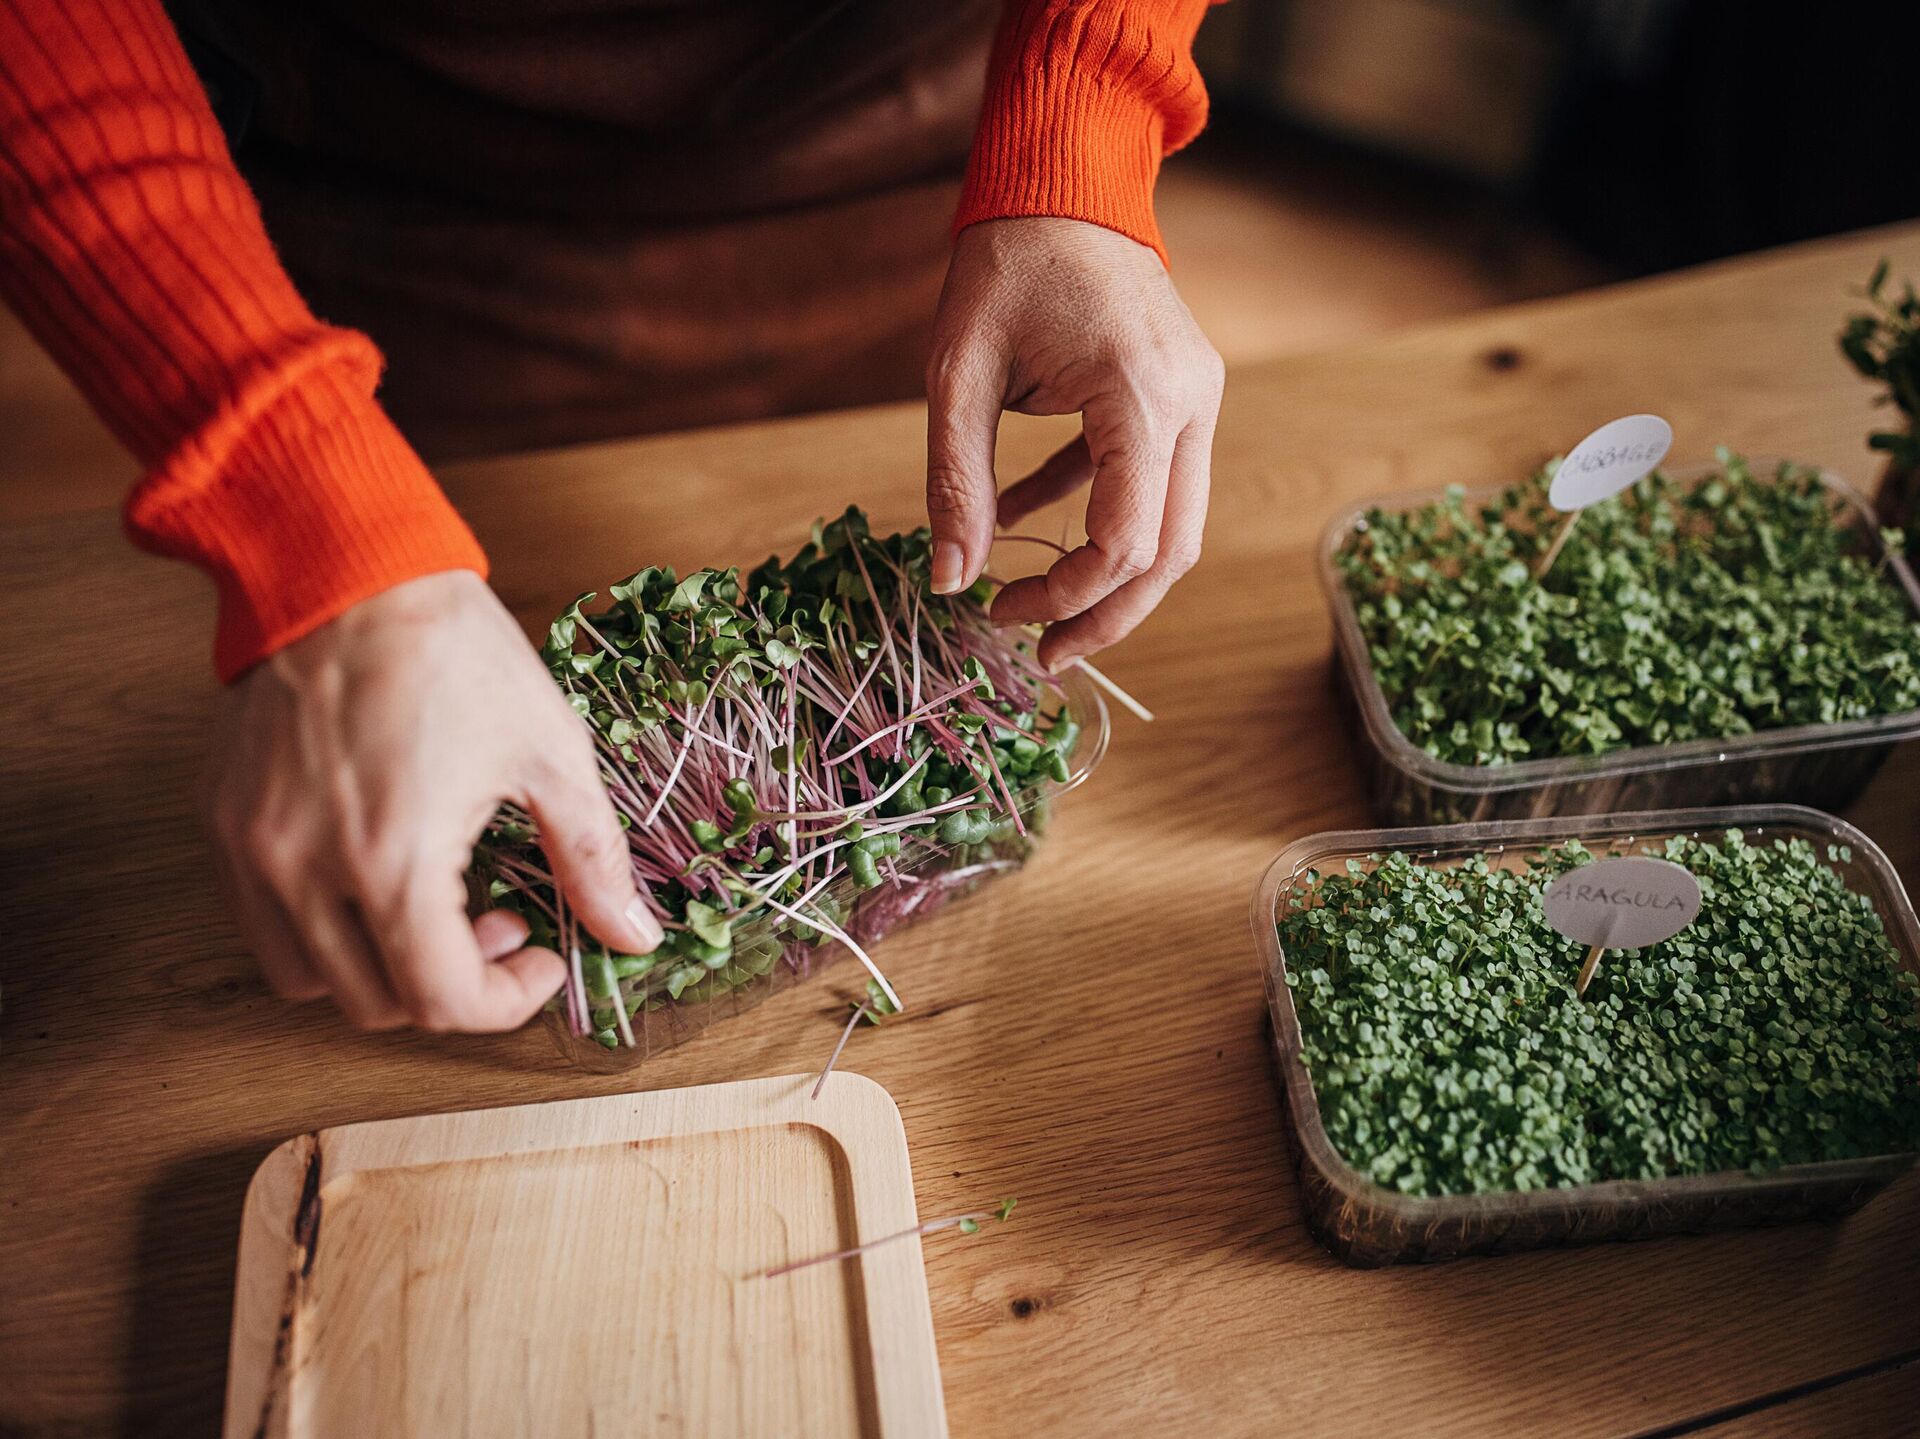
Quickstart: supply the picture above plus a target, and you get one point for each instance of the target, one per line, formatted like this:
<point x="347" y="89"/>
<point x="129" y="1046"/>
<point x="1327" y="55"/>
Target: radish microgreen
<point x="808" y="754"/>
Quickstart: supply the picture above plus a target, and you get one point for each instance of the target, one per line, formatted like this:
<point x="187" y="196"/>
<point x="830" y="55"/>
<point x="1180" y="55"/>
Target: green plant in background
<point x="1883" y="344"/>
<point x="784" y="750"/>
<point x="1450" y="1054"/>
<point x="1675" y="612"/>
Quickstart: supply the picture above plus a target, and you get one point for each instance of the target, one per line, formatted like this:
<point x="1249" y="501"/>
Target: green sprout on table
<point x="970" y="1223"/>
<point x="870" y="1009"/>
<point x="965" y="1223"/>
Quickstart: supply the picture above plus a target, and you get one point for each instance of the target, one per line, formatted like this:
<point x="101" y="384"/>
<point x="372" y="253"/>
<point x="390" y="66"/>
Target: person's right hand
<point x="352" y="773"/>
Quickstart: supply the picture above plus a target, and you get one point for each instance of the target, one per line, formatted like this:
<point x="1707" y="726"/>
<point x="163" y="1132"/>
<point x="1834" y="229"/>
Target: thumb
<point x="588" y="851"/>
<point x="965" y="387"/>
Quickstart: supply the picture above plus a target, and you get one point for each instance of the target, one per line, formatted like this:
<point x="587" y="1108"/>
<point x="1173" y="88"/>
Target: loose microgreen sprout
<point x="1713" y="609"/>
<point x="965" y="1223"/>
<point x="1589" y="967"/>
<point x="808" y="754"/>
<point x="1450" y="1052"/>
<point x="870" y="1009"/>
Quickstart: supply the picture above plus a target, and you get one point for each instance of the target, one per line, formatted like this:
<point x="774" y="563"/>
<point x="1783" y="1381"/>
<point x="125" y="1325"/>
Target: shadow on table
<point x="189" y="1235"/>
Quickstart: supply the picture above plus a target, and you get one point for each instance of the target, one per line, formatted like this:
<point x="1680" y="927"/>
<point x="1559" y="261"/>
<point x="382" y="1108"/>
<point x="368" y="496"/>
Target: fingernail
<point x="949" y="561"/>
<point x="645" y="925"/>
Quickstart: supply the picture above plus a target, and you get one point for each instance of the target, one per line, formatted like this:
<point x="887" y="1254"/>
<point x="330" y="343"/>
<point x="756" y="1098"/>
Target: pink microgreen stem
<point x="854" y="811"/>
<point x="968" y="1223"/>
<point x="620" y="1016"/>
<point x="819" y="921"/>
<point x="580" y="1012"/>
<point x="1006" y="793"/>
<point x="1127" y="701"/>
<point x="679" y="763"/>
<point x="905" y="722"/>
<point x="860" y="1012"/>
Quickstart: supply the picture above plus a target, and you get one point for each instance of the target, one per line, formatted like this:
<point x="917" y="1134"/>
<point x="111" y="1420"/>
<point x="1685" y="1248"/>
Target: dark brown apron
<point x="571" y="219"/>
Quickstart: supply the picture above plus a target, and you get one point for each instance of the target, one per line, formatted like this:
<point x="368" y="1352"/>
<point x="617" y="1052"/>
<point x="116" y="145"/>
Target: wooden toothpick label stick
<point x="1587" y="969"/>
<point x="1606" y="462"/>
<point x="1559" y="543"/>
<point x="1624" y="903"/>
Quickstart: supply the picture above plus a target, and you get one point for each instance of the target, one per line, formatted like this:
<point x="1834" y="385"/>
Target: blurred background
<point x="1378" y="163"/>
<point x="1431" y="156"/>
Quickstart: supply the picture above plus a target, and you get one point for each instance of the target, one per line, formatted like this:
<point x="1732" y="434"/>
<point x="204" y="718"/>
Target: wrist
<point x="411" y="606"/>
<point x="1071" y="140"/>
<point x="317" y="504"/>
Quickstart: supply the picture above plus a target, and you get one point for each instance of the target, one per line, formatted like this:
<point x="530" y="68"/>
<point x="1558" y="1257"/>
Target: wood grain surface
<point x="1086" y="1035"/>
<point x="1884" y="1405"/>
<point x="590" y="1266"/>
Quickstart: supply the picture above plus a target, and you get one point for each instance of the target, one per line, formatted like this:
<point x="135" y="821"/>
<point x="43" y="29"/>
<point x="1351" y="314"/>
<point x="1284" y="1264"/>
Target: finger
<point x="345" y="955"/>
<point x="1179" y="548"/>
<point x="1124" y="517"/>
<point x="268" y="934"/>
<point x="584" y="843"/>
<point x="532" y="976"/>
<point x="499" y="932"/>
<point x="965" y="389"/>
<point x="1065" y="471"/>
<point x="442" y="975"/>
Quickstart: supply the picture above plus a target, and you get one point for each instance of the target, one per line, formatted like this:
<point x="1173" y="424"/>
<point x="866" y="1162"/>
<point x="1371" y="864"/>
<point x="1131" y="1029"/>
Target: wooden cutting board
<point x="589" y="1268"/>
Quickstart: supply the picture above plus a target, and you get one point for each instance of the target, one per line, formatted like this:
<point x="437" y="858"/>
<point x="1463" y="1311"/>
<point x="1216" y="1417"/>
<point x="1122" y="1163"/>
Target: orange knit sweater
<point x="131" y="247"/>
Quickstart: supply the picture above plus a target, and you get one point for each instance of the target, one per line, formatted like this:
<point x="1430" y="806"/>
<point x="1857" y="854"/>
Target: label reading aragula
<point x="1625" y="903"/>
<point x="1607" y="461"/>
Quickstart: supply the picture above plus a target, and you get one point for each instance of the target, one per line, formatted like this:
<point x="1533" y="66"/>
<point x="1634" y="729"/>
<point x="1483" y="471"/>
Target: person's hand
<point x="1054" y="317"/>
<point x="352" y="773"/>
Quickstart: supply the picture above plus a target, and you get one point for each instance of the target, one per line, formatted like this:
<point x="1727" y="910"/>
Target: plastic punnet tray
<point x="1368" y="1225"/>
<point x="774" y="954"/>
<point x="1824" y="765"/>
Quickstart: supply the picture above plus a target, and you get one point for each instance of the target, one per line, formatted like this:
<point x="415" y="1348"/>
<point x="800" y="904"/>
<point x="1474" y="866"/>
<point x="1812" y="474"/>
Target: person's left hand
<point x="1054" y="317"/>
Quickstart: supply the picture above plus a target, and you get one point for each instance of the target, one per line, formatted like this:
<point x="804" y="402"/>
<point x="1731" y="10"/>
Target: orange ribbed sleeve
<point x="1084" y="98"/>
<point x="132" y="248"/>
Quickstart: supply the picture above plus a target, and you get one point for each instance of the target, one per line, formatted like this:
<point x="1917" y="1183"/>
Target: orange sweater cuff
<point x="300" y="504"/>
<point x="1083" y="100"/>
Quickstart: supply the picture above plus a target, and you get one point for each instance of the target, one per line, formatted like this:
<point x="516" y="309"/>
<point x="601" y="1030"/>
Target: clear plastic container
<point x="772" y="955"/>
<point x="1825" y="765"/>
<point x="1368" y="1225"/>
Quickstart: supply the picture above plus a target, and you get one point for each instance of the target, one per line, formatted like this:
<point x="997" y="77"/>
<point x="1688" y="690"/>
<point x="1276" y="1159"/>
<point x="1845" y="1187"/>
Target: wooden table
<point x="1086" y="1036"/>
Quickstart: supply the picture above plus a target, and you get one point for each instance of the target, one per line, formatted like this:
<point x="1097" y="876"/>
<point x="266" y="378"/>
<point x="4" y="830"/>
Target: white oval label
<point x="1625" y="903"/>
<point x="1608" y="460"/>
